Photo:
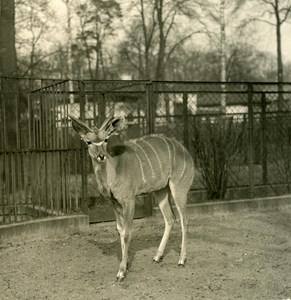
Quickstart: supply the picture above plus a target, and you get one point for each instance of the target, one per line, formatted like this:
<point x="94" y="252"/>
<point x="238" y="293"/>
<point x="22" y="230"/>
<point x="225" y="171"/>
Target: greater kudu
<point x="125" y="169"/>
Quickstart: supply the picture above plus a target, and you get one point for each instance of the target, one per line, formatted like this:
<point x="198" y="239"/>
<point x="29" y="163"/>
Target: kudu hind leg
<point x="163" y="201"/>
<point x="180" y="199"/>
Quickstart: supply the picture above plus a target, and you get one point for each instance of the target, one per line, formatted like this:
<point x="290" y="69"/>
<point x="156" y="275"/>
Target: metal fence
<point x="239" y="135"/>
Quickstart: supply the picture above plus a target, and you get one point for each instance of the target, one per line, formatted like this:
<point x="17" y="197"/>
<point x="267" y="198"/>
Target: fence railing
<point x="239" y="135"/>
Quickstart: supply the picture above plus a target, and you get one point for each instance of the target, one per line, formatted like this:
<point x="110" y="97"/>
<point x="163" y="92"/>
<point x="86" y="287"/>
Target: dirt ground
<point x="232" y="255"/>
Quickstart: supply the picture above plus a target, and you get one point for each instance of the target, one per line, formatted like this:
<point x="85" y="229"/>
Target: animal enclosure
<point x="239" y="135"/>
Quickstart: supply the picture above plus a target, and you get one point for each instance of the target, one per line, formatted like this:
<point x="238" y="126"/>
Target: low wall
<point x="61" y="226"/>
<point x="43" y="228"/>
<point x="213" y="207"/>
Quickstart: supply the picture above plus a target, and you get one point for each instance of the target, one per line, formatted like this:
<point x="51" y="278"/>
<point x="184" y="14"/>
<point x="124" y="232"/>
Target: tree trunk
<point x="69" y="48"/>
<point x="222" y="55"/>
<point x="160" y="71"/>
<point x="147" y="35"/>
<point x="280" y="76"/>
<point x="7" y="38"/>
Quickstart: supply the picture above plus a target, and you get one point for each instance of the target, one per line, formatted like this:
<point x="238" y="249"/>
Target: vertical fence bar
<point x="8" y="185"/>
<point x="101" y="109"/>
<point x="4" y="125"/>
<point x="264" y="140"/>
<point x="185" y="118"/>
<point x="17" y="119"/>
<point x="41" y="118"/>
<point x="150" y="108"/>
<point x="251" y="139"/>
<point x="2" y="177"/>
<point x="151" y="129"/>
<point x="13" y="201"/>
<point x="30" y="115"/>
<point x="84" y="203"/>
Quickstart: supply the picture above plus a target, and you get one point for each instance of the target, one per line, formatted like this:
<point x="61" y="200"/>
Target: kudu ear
<point x="80" y="126"/>
<point x="117" y="124"/>
<point x="115" y="142"/>
<point x="120" y="124"/>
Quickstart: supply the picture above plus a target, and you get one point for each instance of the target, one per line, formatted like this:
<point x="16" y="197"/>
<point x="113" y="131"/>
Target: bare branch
<point x="270" y="2"/>
<point x="287" y="11"/>
<point x="170" y="25"/>
<point x="181" y="42"/>
<point x="38" y="61"/>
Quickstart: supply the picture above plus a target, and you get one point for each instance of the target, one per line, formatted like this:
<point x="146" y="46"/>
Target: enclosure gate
<point x="238" y="134"/>
<point x="45" y="168"/>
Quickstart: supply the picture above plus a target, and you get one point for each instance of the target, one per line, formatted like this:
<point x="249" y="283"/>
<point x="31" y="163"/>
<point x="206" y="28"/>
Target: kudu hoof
<point x="120" y="276"/>
<point x="157" y="259"/>
<point x="182" y="263"/>
<point x="120" y="279"/>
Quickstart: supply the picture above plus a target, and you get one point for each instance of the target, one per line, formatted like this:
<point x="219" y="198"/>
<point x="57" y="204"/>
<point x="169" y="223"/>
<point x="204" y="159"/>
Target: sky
<point x="266" y="40"/>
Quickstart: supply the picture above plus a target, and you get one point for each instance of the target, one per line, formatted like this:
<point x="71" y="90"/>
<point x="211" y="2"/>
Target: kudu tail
<point x="170" y="200"/>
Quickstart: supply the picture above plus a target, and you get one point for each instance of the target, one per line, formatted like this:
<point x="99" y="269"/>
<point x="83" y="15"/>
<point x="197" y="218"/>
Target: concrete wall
<point x="271" y="203"/>
<point x="43" y="228"/>
<point x="61" y="226"/>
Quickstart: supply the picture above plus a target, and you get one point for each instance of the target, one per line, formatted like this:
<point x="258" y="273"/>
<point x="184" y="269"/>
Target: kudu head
<point x="103" y="141"/>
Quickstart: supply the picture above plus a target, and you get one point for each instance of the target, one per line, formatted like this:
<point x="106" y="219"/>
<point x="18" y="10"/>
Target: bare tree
<point x="148" y="34"/>
<point x="32" y="24"/>
<point x="69" y="34"/>
<point x="139" y="44"/>
<point x="157" y="21"/>
<point x="96" y="25"/>
<point x="167" y="13"/>
<point x="216" y="19"/>
<point x="279" y="10"/>
<point x="136" y="55"/>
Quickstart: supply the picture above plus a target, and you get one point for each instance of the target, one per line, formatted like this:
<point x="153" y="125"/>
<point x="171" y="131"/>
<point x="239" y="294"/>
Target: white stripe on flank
<point x="184" y="163"/>
<point x="148" y="159"/>
<point x="169" y="151"/>
<point x="141" y="167"/>
<point x="156" y="153"/>
<point x="174" y="152"/>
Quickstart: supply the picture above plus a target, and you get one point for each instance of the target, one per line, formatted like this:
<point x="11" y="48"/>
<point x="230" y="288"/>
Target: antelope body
<point x="125" y="169"/>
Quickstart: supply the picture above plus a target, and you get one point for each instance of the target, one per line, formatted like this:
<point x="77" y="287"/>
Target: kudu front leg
<point x="124" y="227"/>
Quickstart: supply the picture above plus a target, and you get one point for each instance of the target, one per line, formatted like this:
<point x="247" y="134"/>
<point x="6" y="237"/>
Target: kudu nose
<point x="101" y="158"/>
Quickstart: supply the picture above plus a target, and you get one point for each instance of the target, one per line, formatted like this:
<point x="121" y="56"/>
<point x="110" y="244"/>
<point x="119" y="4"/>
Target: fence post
<point x="151" y="128"/>
<point x="186" y="123"/>
<point x="251" y="139"/>
<point x="264" y="140"/>
<point x="150" y="108"/>
<point x="84" y="204"/>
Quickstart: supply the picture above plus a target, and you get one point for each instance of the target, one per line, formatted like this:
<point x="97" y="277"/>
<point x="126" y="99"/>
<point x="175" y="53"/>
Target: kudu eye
<point x="89" y="142"/>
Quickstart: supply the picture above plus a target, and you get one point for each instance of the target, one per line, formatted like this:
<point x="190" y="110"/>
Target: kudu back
<point x="125" y="169"/>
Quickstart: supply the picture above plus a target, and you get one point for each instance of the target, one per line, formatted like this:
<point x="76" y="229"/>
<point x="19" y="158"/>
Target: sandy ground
<point x="230" y="256"/>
